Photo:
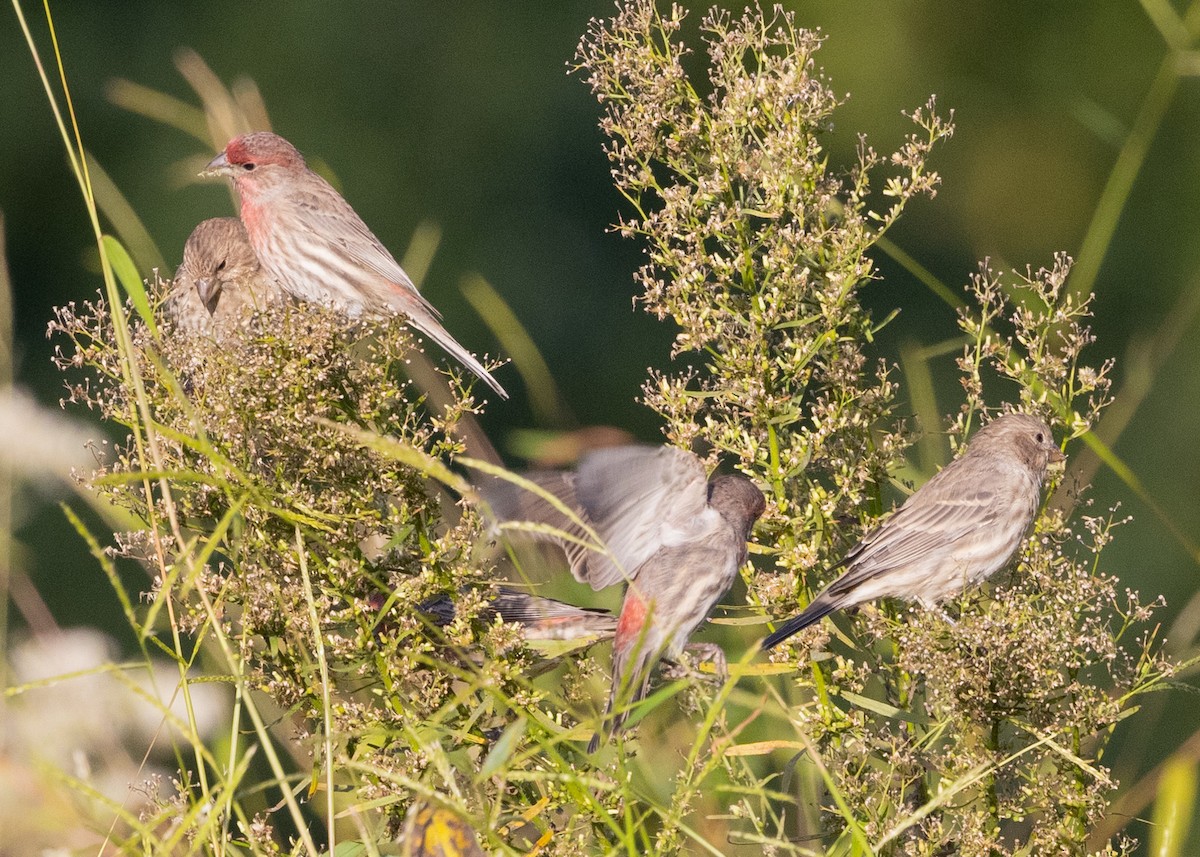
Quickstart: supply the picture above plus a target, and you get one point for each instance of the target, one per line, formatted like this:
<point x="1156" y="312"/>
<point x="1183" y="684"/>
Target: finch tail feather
<point x="614" y="719"/>
<point x="815" y="612"/>
<point x="542" y="618"/>
<point x="439" y="610"/>
<point x="449" y="344"/>
<point x="550" y="619"/>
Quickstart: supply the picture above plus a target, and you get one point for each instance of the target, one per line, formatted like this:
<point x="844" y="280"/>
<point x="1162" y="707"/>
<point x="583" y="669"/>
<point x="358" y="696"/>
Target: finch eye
<point x="247" y="167"/>
<point x="1041" y="438"/>
<point x="221" y="267"/>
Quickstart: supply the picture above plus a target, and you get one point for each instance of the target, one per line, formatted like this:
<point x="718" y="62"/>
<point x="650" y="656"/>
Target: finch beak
<point x="210" y="292"/>
<point x="218" y="166"/>
<point x="1057" y="455"/>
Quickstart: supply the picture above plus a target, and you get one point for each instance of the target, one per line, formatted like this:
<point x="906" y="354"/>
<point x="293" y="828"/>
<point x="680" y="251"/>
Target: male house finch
<point x="219" y="281"/>
<point x="310" y="240"/>
<point x="959" y="528"/>
<point x="673" y="536"/>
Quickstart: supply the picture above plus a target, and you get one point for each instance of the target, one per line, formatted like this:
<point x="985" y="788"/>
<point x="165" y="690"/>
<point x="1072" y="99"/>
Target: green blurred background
<point x="462" y="114"/>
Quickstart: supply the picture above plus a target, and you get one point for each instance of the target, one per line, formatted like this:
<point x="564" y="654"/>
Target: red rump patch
<point x="633" y="616"/>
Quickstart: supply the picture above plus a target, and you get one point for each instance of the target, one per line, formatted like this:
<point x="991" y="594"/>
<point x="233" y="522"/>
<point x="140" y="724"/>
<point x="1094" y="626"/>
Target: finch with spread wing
<point x="674" y="537"/>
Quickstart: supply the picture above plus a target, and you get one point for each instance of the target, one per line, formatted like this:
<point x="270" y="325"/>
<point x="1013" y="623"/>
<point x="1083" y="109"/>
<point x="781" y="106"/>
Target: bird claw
<point x="696" y="654"/>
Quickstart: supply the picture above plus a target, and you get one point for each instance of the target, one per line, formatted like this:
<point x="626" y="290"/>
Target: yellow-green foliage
<point x="290" y="557"/>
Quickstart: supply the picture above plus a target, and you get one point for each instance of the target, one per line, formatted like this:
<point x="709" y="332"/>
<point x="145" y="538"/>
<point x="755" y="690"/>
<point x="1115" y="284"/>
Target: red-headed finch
<point x="675" y="537"/>
<point x="220" y="282"/>
<point x="959" y="528"/>
<point x="310" y="240"/>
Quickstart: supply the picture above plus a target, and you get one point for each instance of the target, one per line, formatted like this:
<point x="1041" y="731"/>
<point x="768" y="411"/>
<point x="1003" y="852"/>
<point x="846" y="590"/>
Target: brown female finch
<point x="219" y="283"/>
<point x="673" y="536"/>
<point x="959" y="528"/>
<point x="309" y="239"/>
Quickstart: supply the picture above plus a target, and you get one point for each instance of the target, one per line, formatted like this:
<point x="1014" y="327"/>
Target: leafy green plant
<point x="919" y="735"/>
<point x="295" y="502"/>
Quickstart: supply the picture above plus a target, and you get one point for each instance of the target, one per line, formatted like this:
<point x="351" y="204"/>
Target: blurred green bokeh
<point x="463" y="114"/>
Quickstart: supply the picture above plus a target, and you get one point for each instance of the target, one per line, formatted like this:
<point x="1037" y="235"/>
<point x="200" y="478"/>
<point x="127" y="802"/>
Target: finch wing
<point x="641" y="499"/>
<point x="944" y="510"/>
<point x="510" y="502"/>
<point x="635" y="498"/>
<point x="329" y="215"/>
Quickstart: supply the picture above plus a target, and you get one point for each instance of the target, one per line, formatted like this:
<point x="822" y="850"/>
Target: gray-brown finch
<point x="673" y="536"/>
<point x="220" y="282"/>
<point x="959" y="528"/>
<point x="310" y="240"/>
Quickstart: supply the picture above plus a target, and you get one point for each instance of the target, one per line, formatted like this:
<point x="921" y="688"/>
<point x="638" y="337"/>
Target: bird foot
<point x="694" y="655"/>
